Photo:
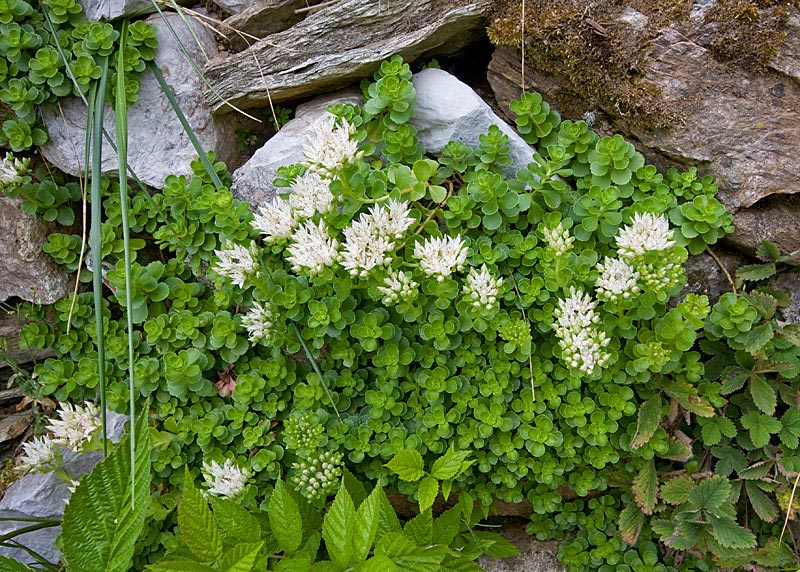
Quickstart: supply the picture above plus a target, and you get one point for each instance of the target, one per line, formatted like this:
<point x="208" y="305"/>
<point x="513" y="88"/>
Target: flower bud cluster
<point x="236" y="262"/>
<point x="558" y="239"/>
<point x="482" y="289"/>
<point x="398" y="286"/>
<point x="258" y="322"/>
<point x="12" y="170"/>
<point x="317" y="476"/>
<point x="617" y="280"/>
<point x="576" y="327"/>
<point x="441" y="256"/>
<point x="302" y="433"/>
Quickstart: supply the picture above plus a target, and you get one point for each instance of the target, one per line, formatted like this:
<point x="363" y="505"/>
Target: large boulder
<point x="25" y="271"/>
<point x="341" y="42"/>
<point x="736" y="117"/>
<point x="157" y="143"/>
<point x="446" y="110"/>
<point x="113" y="9"/>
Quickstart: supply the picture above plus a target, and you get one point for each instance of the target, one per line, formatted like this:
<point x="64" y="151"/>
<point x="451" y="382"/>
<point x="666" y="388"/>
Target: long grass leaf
<point x="189" y="27"/>
<point x="96" y="242"/>
<point x="191" y="61"/>
<point x="316" y="369"/>
<point x="121" y="126"/>
<point x="186" y="127"/>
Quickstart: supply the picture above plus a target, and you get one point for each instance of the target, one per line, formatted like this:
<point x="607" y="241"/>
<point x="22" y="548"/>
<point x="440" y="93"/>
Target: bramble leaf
<point x="420" y="528"/>
<point x="647" y="423"/>
<point x="631" y="520"/>
<point x="645" y="487"/>
<point x="764" y="396"/>
<point x="450" y="465"/>
<point x="710" y="493"/>
<point x="241" y="557"/>
<point x="337" y="527"/>
<point x="761" y="503"/>
<point x="366" y="524"/>
<point x="427" y="492"/>
<point x="730" y="534"/>
<point x="285" y="519"/>
<point x="676" y="491"/>
<point x="761" y="427"/>
<point x="408" y="465"/>
<point x="199" y="528"/>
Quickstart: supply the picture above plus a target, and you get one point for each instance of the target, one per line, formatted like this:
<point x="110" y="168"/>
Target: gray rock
<point x="41" y="541"/>
<point x="157" y="143"/>
<point x="113" y="9"/>
<point x="449" y="110"/>
<point x="704" y="275"/>
<point x="788" y="280"/>
<point x="254" y="20"/>
<point x="26" y="271"/>
<point x="253" y="181"/>
<point x="342" y="42"/>
<point x="233" y="6"/>
<point x="10" y="353"/>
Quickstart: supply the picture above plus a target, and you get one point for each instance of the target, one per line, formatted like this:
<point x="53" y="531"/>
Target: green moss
<point x="602" y="61"/>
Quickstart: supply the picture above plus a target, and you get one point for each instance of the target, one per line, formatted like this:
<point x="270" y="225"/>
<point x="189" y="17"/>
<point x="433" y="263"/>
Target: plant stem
<point x="316" y="369"/>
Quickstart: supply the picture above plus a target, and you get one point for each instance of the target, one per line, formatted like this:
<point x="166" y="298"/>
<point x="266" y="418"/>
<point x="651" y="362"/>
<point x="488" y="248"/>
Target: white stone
<point x="113" y="9"/>
<point x="449" y="110"/>
<point x="157" y="143"/>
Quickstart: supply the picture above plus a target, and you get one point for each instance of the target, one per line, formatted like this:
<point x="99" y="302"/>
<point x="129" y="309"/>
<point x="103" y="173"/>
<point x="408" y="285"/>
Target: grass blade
<point x="316" y="369"/>
<point x="186" y="127"/>
<point x="95" y="241"/>
<point x="121" y="127"/>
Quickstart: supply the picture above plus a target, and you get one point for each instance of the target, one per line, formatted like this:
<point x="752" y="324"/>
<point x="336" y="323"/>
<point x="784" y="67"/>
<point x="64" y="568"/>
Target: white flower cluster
<point x="369" y="239"/>
<point x="330" y="147"/>
<point x="441" y="256"/>
<point x="646" y="232"/>
<point x="579" y="338"/>
<point x="316" y="477"/>
<point x="226" y="480"/>
<point x="397" y="286"/>
<point x="274" y="220"/>
<point x="76" y="427"/>
<point x="12" y="169"/>
<point x="558" y="239"/>
<point x="258" y="322"/>
<point x="310" y="195"/>
<point x="311" y="248"/>
<point x="617" y="279"/>
<point x="236" y="262"/>
<point x="482" y="288"/>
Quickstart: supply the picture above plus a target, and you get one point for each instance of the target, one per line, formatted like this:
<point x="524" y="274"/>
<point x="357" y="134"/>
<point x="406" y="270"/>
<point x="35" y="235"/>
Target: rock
<point x="25" y="270"/>
<point x="704" y="275"/>
<point x="41" y="541"/>
<point x="788" y="280"/>
<point x="113" y="9"/>
<point x="252" y="181"/>
<point x="233" y="6"/>
<point x="262" y="18"/>
<point x="14" y="425"/>
<point x="535" y="555"/>
<point x="446" y="109"/>
<point x="157" y="143"/>
<point x="449" y="110"/>
<point x="340" y="43"/>
<point x="741" y="124"/>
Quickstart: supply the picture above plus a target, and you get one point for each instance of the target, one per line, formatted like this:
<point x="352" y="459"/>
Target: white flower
<point x="226" y="480"/>
<point x="482" y="288"/>
<point x="440" y="256"/>
<point x="312" y="248"/>
<point x="396" y="220"/>
<point x="310" y="195"/>
<point x="616" y="279"/>
<point x="237" y="263"/>
<point x="76" y="425"/>
<point x="40" y="455"/>
<point x="558" y="239"/>
<point x="582" y="344"/>
<point x="258" y="322"/>
<point x="12" y="170"/>
<point x="274" y="220"/>
<point x="330" y="148"/>
<point x="397" y="285"/>
<point x="365" y="246"/>
<point x="646" y="232"/>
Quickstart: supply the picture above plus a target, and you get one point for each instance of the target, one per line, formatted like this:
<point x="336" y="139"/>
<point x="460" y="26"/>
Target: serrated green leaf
<point x="729" y="534"/>
<point x="387" y="521"/>
<point x="761" y="427"/>
<point x="294" y="564"/>
<point x="730" y="460"/>
<point x="791" y="333"/>
<point x="423" y="561"/>
<point x="757" y="471"/>
<point x="631" y="520"/>
<point x="710" y="493"/>
<point x="645" y="487"/>
<point x="678" y="449"/>
<point x="755" y="272"/>
<point x="408" y="465"/>
<point x="790" y="428"/>
<point x="688" y="397"/>
<point x="711" y="434"/>
<point x="496" y="545"/>
<point x="764" y="396"/>
<point x="775" y="554"/>
<point x="734" y="380"/>
<point x="241" y="557"/>
<point x="427" y="492"/>
<point x="458" y="562"/>
<point x="467" y="504"/>
<point x="11" y="565"/>
<point x="337" y="528"/>
<point x="105" y="517"/>
<point x="446" y="526"/>
<point x="447" y="487"/>
<point x="449" y="465"/>
<point x="761" y="503"/>
<point x="647" y="422"/>
<point x="394" y="544"/>
<point x="180" y="566"/>
<point x="754" y="340"/>
<point x="378" y="563"/>
<point x="234" y="521"/>
<point x="676" y="491"/>
<point x="420" y="528"/>
<point x="366" y="525"/>
<point x="285" y="519"/>
<point x="355" y="488"/>
<point x="768" y="249"/>
<point x="199" y="528"/>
